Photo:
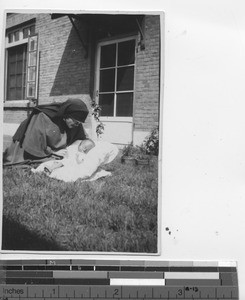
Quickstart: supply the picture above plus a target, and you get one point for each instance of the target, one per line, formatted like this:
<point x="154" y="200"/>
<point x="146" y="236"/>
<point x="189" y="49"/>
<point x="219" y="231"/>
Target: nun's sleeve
<point x="41" y="136"/>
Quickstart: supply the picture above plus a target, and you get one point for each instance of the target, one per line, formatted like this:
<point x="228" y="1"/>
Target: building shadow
<point x="74" y="72"/>
<point x="17" y="237"/>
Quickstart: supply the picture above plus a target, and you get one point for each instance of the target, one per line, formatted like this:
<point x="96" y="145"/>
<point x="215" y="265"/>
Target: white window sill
<point x="18" y="104"/>
<point x="116" y="119"/>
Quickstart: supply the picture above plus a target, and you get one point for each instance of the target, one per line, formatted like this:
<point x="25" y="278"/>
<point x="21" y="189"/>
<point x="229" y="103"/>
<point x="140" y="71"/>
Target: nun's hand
<point x="61" y="152"/>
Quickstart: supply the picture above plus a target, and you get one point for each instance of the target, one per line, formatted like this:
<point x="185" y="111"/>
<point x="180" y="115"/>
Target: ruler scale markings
<point x="226" y="287"/>
<point x="145" y="292"/>
<point x="172" y="293"/>
<point x="193" y="282"/>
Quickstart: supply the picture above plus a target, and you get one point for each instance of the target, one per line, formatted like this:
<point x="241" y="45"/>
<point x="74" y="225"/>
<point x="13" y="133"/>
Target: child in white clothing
<point x="83" y="148"/>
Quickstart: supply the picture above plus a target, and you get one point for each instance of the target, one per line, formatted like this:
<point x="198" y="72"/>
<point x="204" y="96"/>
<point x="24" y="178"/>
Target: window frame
<point x="23" y="45"/>
<point x="8" y="45"/>
<point x="28" y="66"/>
<point x="117" y="40"/>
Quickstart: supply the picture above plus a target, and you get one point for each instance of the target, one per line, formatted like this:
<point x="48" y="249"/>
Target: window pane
<point x="32" y="29"/>
<point x="25" y="33"/>
<point x="18" y="93"/>
<point x="125" y="79"/>
<point x="108" y="56"/>
<point x="106" y="102"/>
<point x="124" y="105"/>
<point x="12" y="56"/>
<point x="24" y="55"/>
<point x="33" y="59"/>
<point x="126" y="53"/>
<point x="12" y="69"/>
<point x="12" y="81"/>
<point x="16" y="35"/>
<point x="19" y="54"/>
<point x="19" y="81"/>
<point x="10" y="37"/>
<point x="19" y="67"/>
<point x="12" y="94"/>
<point x="107" y="80"/>
<point x="32" y="74"/>
<point x="33" y="43"/>
<point x="30" y="89"/>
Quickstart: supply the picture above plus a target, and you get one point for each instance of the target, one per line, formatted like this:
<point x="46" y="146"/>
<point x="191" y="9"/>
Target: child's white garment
<point x="72" y="159"/>
<point x="103" y="153"/>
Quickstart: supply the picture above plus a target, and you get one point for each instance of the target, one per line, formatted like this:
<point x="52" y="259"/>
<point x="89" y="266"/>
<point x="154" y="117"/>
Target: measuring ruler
<point x="118" y="279"/>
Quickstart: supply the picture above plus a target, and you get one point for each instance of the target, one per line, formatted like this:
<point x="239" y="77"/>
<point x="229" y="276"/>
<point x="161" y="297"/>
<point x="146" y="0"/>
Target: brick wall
<point x="16" y="19"/>
<point x="64" y="72"/>
<point x="15" y="115"/>
<point x="146" y="107"/>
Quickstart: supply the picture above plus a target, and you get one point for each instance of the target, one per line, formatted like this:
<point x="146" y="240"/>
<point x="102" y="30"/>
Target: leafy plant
<point x="131" y="150"/>
<point x="151" y="143"/>
<point x="96" y="110"/>
<point x="150" y="146"/>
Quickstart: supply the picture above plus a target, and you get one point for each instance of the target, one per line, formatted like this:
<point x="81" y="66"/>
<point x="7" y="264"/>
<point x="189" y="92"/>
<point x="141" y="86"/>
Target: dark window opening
<point x="16" y="77"/>
<point x="116" y="78"/>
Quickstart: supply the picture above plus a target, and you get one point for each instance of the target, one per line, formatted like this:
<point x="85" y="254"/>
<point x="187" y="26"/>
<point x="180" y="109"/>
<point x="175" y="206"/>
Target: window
<point x="16" y="77"/>
<point x="116" y="78"/>
<point x="21" y="64"/>
<point x="32" y="68"/>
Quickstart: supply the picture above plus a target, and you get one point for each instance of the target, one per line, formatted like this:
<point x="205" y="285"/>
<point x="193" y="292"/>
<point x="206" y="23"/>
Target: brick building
<point x="113" y="59"/>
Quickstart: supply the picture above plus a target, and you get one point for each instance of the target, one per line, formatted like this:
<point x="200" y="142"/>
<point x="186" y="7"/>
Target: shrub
<point x="151" y="143"/>
<point x="134" y="151"/>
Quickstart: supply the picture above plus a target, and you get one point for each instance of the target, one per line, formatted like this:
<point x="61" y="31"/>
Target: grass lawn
<point x="115" y="214"/>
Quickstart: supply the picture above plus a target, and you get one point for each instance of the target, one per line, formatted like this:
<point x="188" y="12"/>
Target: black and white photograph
<point x="81" y="131"/>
